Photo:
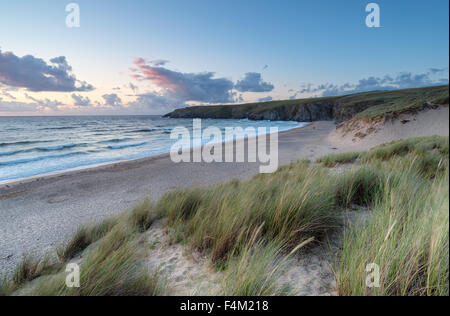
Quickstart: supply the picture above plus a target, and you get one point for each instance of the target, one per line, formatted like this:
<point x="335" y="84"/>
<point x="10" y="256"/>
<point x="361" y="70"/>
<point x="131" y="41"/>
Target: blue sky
<point x="217" y="51"/>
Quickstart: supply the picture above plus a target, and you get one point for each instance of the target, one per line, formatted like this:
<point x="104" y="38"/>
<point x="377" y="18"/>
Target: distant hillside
<point x="341" y="108"/>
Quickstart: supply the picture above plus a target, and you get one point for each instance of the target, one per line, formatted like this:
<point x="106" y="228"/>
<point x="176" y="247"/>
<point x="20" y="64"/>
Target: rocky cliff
<point x="339" y="108"/>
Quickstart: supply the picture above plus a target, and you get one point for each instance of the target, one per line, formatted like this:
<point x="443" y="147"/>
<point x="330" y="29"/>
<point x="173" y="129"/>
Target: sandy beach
<point x="206" y="150"/>
<point x="40" y="213"/>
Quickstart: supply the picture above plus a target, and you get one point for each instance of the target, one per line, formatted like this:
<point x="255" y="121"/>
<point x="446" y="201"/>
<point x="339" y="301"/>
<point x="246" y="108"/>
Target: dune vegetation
<point x="248" y="229"/>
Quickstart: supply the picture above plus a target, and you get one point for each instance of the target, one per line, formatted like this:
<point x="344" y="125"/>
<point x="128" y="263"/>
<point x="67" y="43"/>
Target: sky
<point x="153" y="56"/>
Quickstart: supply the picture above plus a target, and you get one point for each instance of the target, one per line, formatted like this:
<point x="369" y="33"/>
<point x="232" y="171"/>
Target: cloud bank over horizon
<point x="403" y="80"/>
<point x="176" y="89"/>
<point x="155" y="89"/>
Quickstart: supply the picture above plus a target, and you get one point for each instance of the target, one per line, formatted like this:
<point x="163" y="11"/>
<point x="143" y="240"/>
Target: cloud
<point x="34" y="106"/>
<point x="266" y="99"/>
<point x="404" y="80"/>
<point x="178" y="89"/>
<point x="437" y="70"/>
<point x="14" y="106"/>
<point x="80" y="100"/>
<point x="159" y="62"/>
<point x="37" y="75"/>
<point x="237" y="97"/>
<point x="253" y="82"/>
<point x="200" y="87"/>
<point x="133" y="87"/>
<point x="112" y="100"/>
<point x="45" y="103"/>
<point x="154" y="103"/>
<point x="5" y="93"/>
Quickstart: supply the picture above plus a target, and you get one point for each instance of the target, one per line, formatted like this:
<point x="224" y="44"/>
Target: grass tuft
<point x="84" y="237"/>
<point x="331" y="161"/>
<point x="112" y="268"/>
<point x="256" y="272"/>
<point x="142" y="216"/>
<point x="28" y="270"/>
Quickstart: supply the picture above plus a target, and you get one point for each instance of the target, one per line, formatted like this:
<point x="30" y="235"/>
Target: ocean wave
<point x="57" y="128"/>
<point x="28" y="160"/>
<point x="25" y="142"/>
<point x="40" y="149"/>
<point x="126" y="146"/>
<point x="99" y="130"/>
<point x="56" y="148"/>
<point x="9" y="153"/>
<point x="14" y="129"/>
<point x="144" y="130"/>
<point x="115" y="140"/>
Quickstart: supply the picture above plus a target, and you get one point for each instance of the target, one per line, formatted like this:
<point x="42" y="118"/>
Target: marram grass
<point x="249" y="228"/>
<point x="406" y="236"/>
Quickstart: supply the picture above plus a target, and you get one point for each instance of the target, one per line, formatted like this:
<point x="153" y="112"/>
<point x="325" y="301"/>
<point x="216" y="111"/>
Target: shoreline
<point x="8" y="184"/>
<point x="39" y="213"/>
<point x="44" y="176"/>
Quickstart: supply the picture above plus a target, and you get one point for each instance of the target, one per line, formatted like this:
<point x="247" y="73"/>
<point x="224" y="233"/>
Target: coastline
<point x="12" y="182"/>
<point x="42" y="212"/>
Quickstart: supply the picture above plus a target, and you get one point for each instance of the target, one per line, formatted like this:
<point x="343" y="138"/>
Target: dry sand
<point x="39" y="213"/>
<point x="424" y="123"/>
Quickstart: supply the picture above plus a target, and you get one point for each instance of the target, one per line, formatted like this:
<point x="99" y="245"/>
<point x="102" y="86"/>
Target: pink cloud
<point x="159" y="76"/>
<point x="201" y="87"/>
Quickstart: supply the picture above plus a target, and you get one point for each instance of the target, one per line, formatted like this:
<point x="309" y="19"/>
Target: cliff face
<point x="309" y="112"/>
<point x="340" y="108"/>
<point x="319" y="111"/>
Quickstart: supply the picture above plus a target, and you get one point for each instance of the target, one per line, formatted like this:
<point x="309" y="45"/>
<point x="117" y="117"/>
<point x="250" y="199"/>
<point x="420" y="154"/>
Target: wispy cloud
<point x="159" y="62"/>
<point x="404" y="80"/>
<point x="5" y="93"/>
<point x="133" y="87"/>
<point x="437" y="70"/>
<point x="15" y="106"/>
<point x="35" y="105"/>
<point x="46" y="103"/>
<point x="268" y="98"/>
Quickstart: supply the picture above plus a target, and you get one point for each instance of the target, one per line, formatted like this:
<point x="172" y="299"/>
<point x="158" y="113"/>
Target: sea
<point x="31" y="146"/>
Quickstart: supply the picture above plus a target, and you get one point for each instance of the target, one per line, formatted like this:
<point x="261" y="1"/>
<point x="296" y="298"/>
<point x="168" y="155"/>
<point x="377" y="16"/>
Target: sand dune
<point x="367" y="135"/>
<point x="39" y="213"/>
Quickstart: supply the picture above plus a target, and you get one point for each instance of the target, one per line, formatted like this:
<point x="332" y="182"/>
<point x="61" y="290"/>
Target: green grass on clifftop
<point x="364" y="105"/>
